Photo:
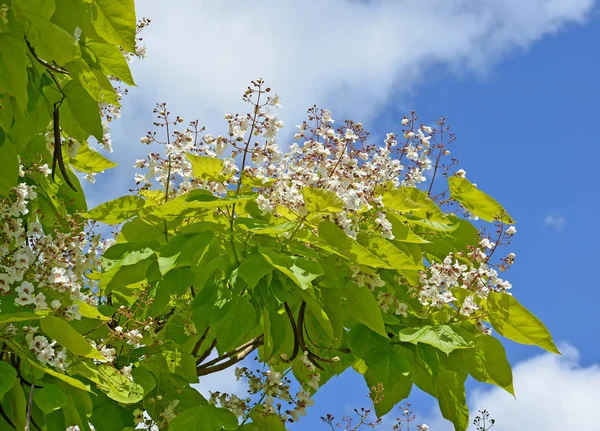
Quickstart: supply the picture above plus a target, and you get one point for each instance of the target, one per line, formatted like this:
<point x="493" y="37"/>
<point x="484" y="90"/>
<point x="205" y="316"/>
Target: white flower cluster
<point x="44" y="272"/>
<point x="437" y="282"/>
<point x="336" y="160"/>
<point x="45" y="351"/>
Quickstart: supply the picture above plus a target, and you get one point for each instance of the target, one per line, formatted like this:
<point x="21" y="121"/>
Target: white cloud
<point x="554" y="393"/>
<point x="555" y="221"/>
<point x="349" y="56"/>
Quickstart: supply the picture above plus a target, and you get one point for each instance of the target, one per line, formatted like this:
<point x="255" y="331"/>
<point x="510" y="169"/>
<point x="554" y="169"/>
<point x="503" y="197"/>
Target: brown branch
<point x="204" y="355"/>
<point x="44" y="62"/>
<point x="258" y="341"/>
<point x="234" y="360"/>
<point x="200" y="341"/>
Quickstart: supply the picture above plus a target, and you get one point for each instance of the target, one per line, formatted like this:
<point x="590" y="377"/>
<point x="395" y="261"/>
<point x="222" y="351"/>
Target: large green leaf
<point x="90" y="160"/>
<point x="321" y="201"/>
<point x="111" y="60"/>
<point x="67" y="379"/>
<point x="487" y="362"/>
<point x="9" y="174"/>
<point x="362" y="305"/>
<point x="49" y="398"/>
<point x="450" y="391"/>
<point x="66" y="336"/>
<point x="442" y="337"/>
<point x="115" y="22"/>
<point x="207" y="168"/>
<point x="204" y="418"/>
<point x="300" y="270"/>
<point x="345" y="246"/>
<point x="117" y="210"/>
<point x="234" y="320"/>
<point x="254" y="268"/>
<point x="415" y="203"/>
<point x="513" y="321"/>
<point x="394" y="390"/>
<point x="111" y="381"/>
<point x="80" y="114"/>
<point x="195" y="201"/>
<point x="8" y="375"/>
<point x="266" y="421"/>
<point x="477" y="202"/>
<point x="183" y="250"/>
<point x="13" y="69"/>
<point x="388" y="252"/>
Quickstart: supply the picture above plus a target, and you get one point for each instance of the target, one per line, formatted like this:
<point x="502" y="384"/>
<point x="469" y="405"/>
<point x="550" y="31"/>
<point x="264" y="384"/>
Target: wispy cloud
<point x="349" y="56"/>
<point x="555" y="221"/>
<point x="554" y="393"/>
<point x="353" y="57"/>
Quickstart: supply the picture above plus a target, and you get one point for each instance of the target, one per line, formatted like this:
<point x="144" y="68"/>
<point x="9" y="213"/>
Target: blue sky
<point x="518" y="83"/>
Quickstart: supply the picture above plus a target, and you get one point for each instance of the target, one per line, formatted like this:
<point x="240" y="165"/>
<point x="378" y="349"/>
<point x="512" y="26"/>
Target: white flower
<point x="461" y="173"/>
<point x="404" y="121"/>
<point x="511" y="230"/>
<point x="401" y="309"/>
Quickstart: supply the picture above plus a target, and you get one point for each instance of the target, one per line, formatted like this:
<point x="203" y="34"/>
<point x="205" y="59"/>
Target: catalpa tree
<point x="331" y="253"/>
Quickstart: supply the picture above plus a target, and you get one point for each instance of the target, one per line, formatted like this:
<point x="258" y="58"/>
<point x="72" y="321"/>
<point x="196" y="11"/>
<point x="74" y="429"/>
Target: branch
<point x="240" y="353"/>
<point x="204" y="355"/>
<point x="230" y="362"/>
<point x="257" y="340"/>
<point x="44" y="62"/>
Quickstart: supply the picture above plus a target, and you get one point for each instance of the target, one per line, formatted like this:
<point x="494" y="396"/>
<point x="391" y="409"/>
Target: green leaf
<point x="117" y="210"/>
<point x="18" y="405"/>
<point x="21" y="316"/>
<point x="345" y="246"/>
<point x="487" y="362"/>
<point x="300" y="270"/>
<point x="253" y="269"/>
<point x="49" y="398"/>
<point x="81" y="73"/>
<point x="415" y="203"/>
<point x="13" y="69"/>
<point x="67" y="379"/>
<point x="477" y="202"/>
<point x="109" y="415"/>
<point x="51" y="42"/>
<point x="115" y="22"/>
<point x="451" y="397"/>
<point x="366" y="344"/>
<point x="183" y="250"/>
<point x="321" y="201"/>
<point x="362" y="305"/>
<point x="66" y="336"/>
<point x="195" y="201"/>
<point x="204" y="418"/>
<point x="513" y="321"/>
<point x="36" y="9"/>
<point x="387" y="252"/>
<point x="9" y="174"/>
<point x="111" y="59"/>
<point x="8" y="376"/>
<point x="179" y="280"/>
<point x="266" y="421"/>
<point x="232" y="322"/>
<point x="443" y="337"/>
<point x="79" y="114"/>
<point x="90" y="160"/>
<point x="110" y="381"/>
<point x="207" y="168"/>
<point x="393" y="392"/>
